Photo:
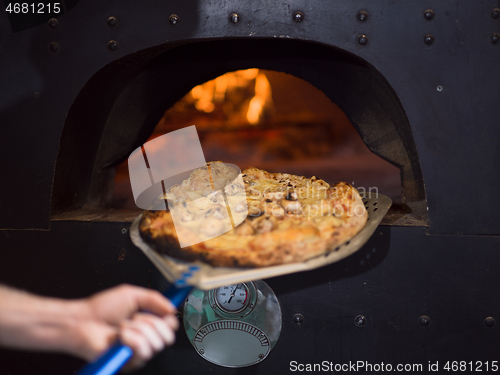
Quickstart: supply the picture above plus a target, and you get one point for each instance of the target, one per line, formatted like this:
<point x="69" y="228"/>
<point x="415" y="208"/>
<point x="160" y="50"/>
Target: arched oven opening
<point x="122" y="105"/>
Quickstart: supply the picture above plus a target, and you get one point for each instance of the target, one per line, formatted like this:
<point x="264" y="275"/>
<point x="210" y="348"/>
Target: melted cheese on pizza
<point x="229" y="211"/>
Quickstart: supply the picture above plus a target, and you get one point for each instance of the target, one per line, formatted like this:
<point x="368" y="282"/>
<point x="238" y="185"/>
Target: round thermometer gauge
<point x="232" y="301"/>
<point x="232" y="298"/>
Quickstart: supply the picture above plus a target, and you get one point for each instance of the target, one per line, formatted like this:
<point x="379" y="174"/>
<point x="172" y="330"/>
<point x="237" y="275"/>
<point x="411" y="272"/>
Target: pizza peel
<point x="185" y="275"/>
<point x="210" y="277"/>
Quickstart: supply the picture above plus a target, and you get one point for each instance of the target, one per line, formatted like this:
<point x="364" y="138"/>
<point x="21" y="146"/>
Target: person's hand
<point x="88" y="327"/>
<point x="120" y="313"/>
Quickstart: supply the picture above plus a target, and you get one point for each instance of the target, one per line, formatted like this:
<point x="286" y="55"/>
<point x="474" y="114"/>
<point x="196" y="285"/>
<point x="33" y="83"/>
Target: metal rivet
<point x="261" y="356"/>
<point x="429" y="14"/>
<point x="298" y="319"/>
<point x="489" y="322"/>
<point x="112" y="45"/>
<point x="173" y="19"/>
<point x="495" y="38"/>
<point x="36" y="95"/>
<point x="362" y="15"/>
<point x="439" y="88"/>
<point x="429" y="39"/>
<point x="234" y="18"/>
<point x="53" y="23"/>
<point x="112" y="21"/>
<point x="363" y="40"/>
<point x="54" y="47"/>
<point x="495" y="13"/>
<point x="124" y="231"/>
<point x="360" y="320"/>
<point x="201" y="351"/>
<point x="424" y="320"/>
<point x="248" y="24"/>
<point x="298" y="16"/>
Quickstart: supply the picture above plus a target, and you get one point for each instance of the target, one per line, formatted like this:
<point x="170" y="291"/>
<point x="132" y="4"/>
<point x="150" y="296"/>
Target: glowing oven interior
<point x="276" y="122"/>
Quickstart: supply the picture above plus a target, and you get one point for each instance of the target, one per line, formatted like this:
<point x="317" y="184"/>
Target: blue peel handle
<point x="116" y="356"/>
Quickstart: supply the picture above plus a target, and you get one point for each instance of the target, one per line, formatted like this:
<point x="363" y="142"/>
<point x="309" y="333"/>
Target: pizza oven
<point x="398" y="97"/>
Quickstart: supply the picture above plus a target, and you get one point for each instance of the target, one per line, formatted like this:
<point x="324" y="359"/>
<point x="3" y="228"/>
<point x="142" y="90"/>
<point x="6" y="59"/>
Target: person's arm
<point x="87" y="327"/>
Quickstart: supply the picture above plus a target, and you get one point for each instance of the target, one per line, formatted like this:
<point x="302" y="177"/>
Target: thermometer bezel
<point x="245" y="309"/>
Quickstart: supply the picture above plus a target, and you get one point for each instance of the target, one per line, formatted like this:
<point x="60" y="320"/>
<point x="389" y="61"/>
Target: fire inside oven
<point x="276" y="122"/>
<point x="283" y="106"/>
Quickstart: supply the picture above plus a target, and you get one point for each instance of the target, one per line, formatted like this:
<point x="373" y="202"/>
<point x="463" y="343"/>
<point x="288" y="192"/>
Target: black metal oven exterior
<point x="427" y="77"/>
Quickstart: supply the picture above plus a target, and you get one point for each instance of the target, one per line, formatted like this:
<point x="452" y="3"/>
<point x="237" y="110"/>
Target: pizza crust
<point x="290" y="218"/>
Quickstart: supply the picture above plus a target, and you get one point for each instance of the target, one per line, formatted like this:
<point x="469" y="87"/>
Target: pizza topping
<point x="178" y="194"/>
<point x="216" y="197"/>
<point x="218" y="211"/>
<point x="264" y="224"/>
<point x="264" y="205"/>
<point x="270" y="207"/>
<point x="278" y="211"/>
<point x="291" y="196"/>
<point x="187" y="216"/>
<point x="240" y="207"/>
<point x="233" y="189"/>
<point x="326" y="222"/>
<point x="244" y="229"/>
<point x="221" y="183"/>
<point x="222" y="174"/>
<point x="206" y="191"/>
<point x="255" y="193"/>
<point x="254" y="211"/>
<point x="199" y="180"/>
<point x="291" y="206"/>
<point x="185" y="185"/>
<point x="211" y="227"/>
<point x="320" y="184"/>
<point x="276" y="195"/>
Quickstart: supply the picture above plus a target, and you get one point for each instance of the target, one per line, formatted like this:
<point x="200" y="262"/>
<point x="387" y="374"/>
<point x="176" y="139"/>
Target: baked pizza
<point x="253" y="218"/>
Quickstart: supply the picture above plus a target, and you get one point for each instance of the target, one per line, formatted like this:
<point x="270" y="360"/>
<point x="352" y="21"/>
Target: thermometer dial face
<point x="232" y="298"/>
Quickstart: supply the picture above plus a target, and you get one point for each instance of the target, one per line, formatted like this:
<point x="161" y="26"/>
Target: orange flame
<point x="261" y="98"/>
<point x="215" y="92"/>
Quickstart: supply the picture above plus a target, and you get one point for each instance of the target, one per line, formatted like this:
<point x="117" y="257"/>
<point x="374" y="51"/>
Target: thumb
<point x="154" y="302"/>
